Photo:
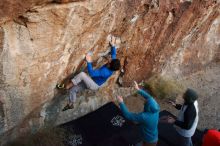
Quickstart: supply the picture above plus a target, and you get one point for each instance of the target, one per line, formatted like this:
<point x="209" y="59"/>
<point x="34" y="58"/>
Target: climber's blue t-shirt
<point x="100" y="75"/>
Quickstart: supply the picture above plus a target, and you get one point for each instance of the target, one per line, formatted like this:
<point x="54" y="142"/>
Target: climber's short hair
<point x="115" y="65"/>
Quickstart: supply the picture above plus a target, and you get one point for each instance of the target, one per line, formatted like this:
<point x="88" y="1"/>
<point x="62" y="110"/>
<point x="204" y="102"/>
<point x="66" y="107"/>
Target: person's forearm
<point x="189" y="118"/>
<point x="113" y="52"/>
<point x="123" y="107"/>
<point x="124" y="110"/>
<point x="90" y="68"/>
<point x="144" y="94"/>
<point x="130" y="116"/>
<point x="184" y="125"/>
<point x="179" y="124"/>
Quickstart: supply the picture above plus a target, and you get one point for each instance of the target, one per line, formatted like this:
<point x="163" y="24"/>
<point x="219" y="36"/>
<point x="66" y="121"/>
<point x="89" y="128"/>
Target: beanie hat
<point x="190" y="96"/>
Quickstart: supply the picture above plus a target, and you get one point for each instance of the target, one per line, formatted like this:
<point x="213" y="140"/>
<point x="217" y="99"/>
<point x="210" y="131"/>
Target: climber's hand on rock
<point x="120" y="99"/>
<point x="88" y="57"/>
<point x="112" y="42"/>
<point x="136" y="85"/>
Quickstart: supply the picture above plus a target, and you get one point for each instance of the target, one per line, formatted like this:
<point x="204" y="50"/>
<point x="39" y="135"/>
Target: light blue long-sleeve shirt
<point x="148" y="119"/>
<point x="102" y="74"/>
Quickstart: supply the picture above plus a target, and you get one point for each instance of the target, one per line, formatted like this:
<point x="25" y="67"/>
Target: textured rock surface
<point x="177" y="38"/>
<point x="42" y="42"/>
<point x="10" y="10"/>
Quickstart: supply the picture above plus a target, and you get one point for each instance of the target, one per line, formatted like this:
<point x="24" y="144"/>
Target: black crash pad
<point x="168" y="134"/>
<point x="104" y="127"/>
<point x="108" y="127"/>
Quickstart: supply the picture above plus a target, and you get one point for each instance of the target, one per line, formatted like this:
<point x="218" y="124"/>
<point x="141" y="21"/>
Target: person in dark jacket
<point x="187" y="119"/>
<point x="96" y="77"/>
<point x="148" y="119"/>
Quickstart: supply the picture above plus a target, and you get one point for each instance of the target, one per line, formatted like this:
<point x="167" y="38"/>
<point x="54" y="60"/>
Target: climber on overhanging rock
<point x="95" y="79"/>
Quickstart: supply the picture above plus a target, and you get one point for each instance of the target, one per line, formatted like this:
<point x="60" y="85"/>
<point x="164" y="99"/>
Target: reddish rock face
<point x="11" y="9"/>
<point x="162" y="31"/>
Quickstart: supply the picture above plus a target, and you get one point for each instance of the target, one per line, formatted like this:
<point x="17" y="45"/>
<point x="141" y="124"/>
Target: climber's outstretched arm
<point x="136" y="117"/>
<point x="113" y="47"/>
<point x="145" y="94"/>
<point x="94" y="72"/>
<point x="113" y="52"/>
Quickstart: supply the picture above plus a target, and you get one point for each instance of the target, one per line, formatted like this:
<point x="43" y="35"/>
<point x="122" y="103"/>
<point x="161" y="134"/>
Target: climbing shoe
<point x="68" y="107"/>
<point x="60" y="86"/>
